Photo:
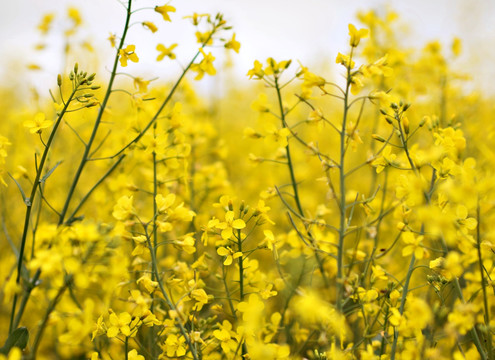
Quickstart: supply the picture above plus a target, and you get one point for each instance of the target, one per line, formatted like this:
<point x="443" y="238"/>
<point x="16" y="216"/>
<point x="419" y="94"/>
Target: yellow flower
<point x="165" y="52"/>
<point x="148" y="284"/>
<point x="123" y="209"/>
<point x="133" y="355"/>
<point x="456" y="46"/>
<point x="356" y="35"/>
<point x="119" y="324"/>
<point x="175" y="346"/>
<point x="257" y="70"/>
<point x="113" y="39"/>
<point x="230" y="254"/>
<point x="150" y="26"/>
<point x="233" y="44"/>
<point x="229" y="224"/>
<point x="164" y="10"/>
<point x="38" y="123"/>
<point x="196" y="18"/>
<point x="141" y="84"/>
<point x="413" y="245"/>
<point x="345" y="60"/>
<point x="386" y="159"/>
<point x="128" y="54"/>
<point x="201" y="298"/>
<point x="275" y="68"/>
<point x="277" y="136"/>
<point x="464" y="222"/>
<point x="46" y="23"/>
<point x="75" y="16"/>
<point x="205" y="66"/>
<point x="14" y="354"/>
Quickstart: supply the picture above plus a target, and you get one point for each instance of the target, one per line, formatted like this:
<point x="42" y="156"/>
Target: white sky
<point x="309" y="30"/>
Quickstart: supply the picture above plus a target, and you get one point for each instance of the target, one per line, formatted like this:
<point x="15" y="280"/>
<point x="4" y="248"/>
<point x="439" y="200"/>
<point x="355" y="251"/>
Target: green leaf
<point x="50" y="172"/>
<point x="18" y="338"/>
<point x="24" y="197"/>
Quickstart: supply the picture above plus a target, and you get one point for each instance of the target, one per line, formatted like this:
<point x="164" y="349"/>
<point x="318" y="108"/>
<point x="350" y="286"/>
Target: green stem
<point x="241" y="266"/>
<point x="103" y="106"/>
<point x="483" y="286"/>
<point x="169" y="301"/>
<point x="241" y="283"/>
<point x="49" y="310"/>
<point x="294" y="182"/>
<point x="402" y="304"/>
<point x="342" y="187"/>
<point x="29" y="203"/>
<point x="473" y="332"/>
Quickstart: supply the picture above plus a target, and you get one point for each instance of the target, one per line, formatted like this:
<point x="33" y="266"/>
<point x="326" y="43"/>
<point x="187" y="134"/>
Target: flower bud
<point x="59" y="80"/>
<point x="378" y="138"/>
<point x="405" y="124"/>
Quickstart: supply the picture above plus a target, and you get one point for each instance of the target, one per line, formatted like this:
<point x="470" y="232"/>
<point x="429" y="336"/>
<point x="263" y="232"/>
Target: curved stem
<point x="29" y="202"/>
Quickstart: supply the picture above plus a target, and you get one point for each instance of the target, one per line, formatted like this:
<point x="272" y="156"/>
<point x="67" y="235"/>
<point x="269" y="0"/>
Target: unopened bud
<point x="91" y="104"/>
<point x="59" y="80"/>
<point x="378" y="138"/>
<point x="423" y="121"/>
<point x="76" y="67"/>
<point x="405" y="124"/>
<point x="91" y="77"/>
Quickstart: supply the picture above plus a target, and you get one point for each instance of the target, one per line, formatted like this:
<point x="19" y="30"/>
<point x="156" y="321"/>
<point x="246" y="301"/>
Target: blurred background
<point x="313" y="31"/>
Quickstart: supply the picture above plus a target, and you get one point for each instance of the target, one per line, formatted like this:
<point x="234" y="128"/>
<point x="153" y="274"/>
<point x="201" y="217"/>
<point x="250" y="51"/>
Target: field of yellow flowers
<point x="305" y="217"/>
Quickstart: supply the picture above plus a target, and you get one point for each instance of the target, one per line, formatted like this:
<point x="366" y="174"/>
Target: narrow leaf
<point x="19" y="338"/>
<point x="50" y="172"/>
<point x="24" y="197"/>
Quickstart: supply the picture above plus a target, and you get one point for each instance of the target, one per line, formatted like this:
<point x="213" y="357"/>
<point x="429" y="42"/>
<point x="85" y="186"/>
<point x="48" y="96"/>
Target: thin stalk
<point x="342" y="187"/>
<point x="241" y="282"/>
<point x="483" y="286"/>
<point x="402" y="304"/>
<point x="49" y="310"/>
<point x="103" y="106"/>
<point x="29" y="203"/>
<point x="241" y="266"/>
<point x="293" y="179"/>
<point x="169" y="301"/>
<point x="473" y="332"/>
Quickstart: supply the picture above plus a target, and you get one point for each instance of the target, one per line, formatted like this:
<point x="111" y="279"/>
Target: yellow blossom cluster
<point x="301" y="217"/>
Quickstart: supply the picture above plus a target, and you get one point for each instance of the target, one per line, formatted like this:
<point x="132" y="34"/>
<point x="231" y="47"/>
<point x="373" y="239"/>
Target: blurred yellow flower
<point x="38" y="123"/>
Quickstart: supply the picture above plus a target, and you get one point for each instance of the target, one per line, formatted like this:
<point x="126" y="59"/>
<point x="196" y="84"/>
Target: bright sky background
<point x="312" y="31"/>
